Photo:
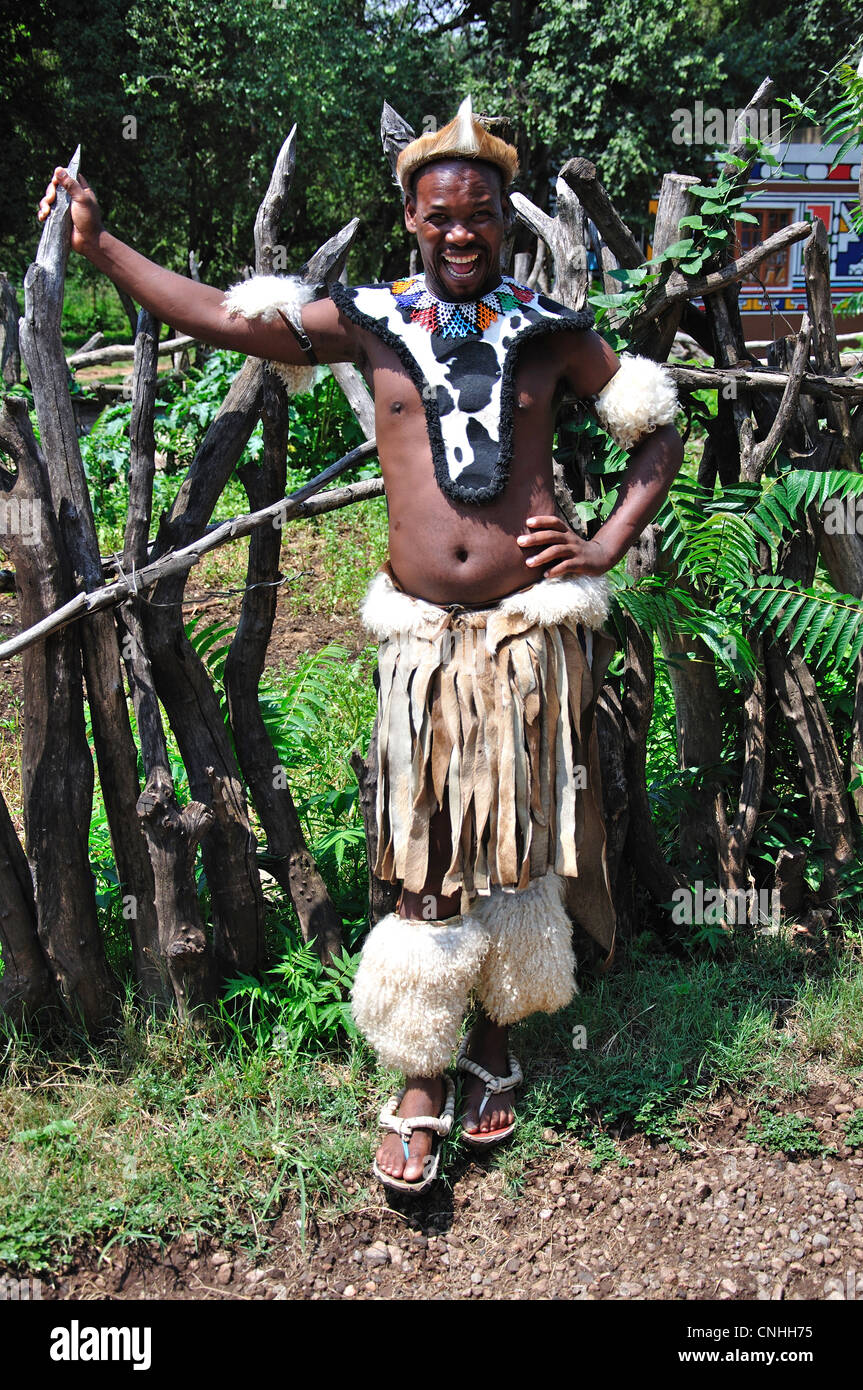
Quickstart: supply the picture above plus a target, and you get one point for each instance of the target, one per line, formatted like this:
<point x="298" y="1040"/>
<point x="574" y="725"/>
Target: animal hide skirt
<point x="488" y="714"/>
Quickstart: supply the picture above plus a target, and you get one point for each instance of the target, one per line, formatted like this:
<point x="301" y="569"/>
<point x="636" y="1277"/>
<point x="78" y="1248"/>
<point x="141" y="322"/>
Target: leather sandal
<point x="404" y="1127"/>
<point x="494" y="1085"/>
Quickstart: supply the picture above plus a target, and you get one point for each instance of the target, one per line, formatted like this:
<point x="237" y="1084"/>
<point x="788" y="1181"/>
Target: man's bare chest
<point x="400" y="401"/>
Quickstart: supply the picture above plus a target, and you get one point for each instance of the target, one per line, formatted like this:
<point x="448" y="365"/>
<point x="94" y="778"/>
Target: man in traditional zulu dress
<point x="489" y="615"/>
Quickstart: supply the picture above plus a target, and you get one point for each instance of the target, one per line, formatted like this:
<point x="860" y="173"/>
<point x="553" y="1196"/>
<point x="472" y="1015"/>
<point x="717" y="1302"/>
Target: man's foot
<point x="487" y="1046"/>
<point x="423" y="1096"/>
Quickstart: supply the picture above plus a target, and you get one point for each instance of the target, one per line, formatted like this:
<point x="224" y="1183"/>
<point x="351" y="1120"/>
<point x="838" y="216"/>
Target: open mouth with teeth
<point x="461" y="266"/>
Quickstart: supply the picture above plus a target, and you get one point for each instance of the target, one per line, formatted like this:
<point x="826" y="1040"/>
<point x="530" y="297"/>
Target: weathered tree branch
<point x="125" y="352"/>
<point x="766" y="379"/>
<point x="584" y="181"/>
<point x="56" y="766"/>
<point x="679" y="287"/>
<point x="288" y="856"/>
<point x="755" y="457"/>
<point x="112" y="735"/>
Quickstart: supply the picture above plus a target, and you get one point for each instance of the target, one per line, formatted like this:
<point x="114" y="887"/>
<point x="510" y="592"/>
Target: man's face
<point x="459" y="217"/>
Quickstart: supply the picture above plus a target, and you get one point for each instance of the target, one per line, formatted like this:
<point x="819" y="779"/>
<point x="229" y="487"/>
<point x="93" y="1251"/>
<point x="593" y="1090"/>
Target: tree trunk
<point x="675" y="202"/>
<point x="178" y="963"/>
<point x="172" y="837"/>
<point x="186" y="692"/>
<point x="26" y="985"/>
<point x="642" y="844"/>
<point x="112" y="735"/>
<point x="288" y="857"/>
<point x="819" y="758"/>
<point x="57" y="770"/>
<point x="10" y="354"/>
<point x="698" y="717"/>
<point x="383" y="896"/>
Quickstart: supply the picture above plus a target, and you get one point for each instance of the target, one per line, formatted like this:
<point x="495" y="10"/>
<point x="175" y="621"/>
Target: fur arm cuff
<point x="262" y="297"/>
<point x="640" y="396"/>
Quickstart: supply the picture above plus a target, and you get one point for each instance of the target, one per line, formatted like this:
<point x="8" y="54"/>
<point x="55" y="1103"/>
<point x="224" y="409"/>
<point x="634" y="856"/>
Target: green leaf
<point x="678" y="248"/>
<point x="607" y="301"/>
<point x="791" y="611"/>
<point x="821" y="620"/>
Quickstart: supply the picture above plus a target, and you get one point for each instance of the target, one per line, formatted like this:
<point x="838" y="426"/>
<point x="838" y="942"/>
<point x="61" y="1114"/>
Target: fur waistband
<point x="388" y="611"/>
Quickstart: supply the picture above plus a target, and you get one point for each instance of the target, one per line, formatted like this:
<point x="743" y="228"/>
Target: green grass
<point x="162" y="1129"/>
<point x="666" y="1036"/>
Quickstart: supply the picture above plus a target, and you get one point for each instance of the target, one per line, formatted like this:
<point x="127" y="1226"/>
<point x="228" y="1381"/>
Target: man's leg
<point x="528" y="968"/>
<point x="423" y="1095"/>
<point x="488" y="1045"/>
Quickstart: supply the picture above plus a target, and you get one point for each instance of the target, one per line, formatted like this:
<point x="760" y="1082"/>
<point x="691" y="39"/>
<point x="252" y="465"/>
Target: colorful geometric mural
<point x="807" y="189"/>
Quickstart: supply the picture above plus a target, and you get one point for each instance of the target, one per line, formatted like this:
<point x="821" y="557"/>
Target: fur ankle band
<point x="530" y="966"/>
<point x="411" y="989"/>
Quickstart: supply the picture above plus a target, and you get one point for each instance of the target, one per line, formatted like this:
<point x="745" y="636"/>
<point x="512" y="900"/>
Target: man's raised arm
<point x="185" y="304"/>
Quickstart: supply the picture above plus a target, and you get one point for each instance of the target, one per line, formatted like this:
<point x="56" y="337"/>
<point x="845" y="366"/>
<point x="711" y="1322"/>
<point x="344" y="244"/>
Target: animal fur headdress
<point x="462" y="138"/>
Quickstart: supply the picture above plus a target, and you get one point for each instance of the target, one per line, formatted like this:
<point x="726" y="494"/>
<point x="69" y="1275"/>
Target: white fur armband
<point x="640" y="396"/>
<point x="262" y="297"/>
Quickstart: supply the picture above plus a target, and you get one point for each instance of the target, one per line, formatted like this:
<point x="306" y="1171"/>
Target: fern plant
<point x="301" y="1003"/>
<point x="712" y="543"/>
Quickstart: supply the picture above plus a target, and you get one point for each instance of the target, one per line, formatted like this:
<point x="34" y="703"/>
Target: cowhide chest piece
<point x="462" y="359"/>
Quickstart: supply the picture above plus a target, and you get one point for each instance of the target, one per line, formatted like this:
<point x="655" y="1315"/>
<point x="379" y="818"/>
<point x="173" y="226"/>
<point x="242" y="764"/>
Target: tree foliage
<point x="181" y="105"/>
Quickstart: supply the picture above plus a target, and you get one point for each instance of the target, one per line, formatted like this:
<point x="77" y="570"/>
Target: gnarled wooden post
<point x="180" y="962"/>
<point x="112" y="735"/>
<point x="26" y="985"/>
<point x="289" y="859"/>
<point x="57" y="769"/>
<point x="10" y="354"/>
<point x="186" y="691"/>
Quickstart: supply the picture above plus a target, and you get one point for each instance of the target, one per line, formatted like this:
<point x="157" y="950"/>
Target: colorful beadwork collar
<point x="450" y="320"/>
<point x="462" y="359"/>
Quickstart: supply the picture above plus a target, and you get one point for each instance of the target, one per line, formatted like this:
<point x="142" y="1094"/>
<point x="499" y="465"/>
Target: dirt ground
<point x="727" y="1222"/>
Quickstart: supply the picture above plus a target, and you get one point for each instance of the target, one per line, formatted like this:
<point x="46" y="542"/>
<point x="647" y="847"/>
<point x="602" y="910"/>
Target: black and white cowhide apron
<point x="462" y="359"/>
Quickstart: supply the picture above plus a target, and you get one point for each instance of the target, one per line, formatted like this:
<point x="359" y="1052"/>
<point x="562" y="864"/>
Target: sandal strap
<point x="405" y="1125"/>
<point x="493" y="1084"/>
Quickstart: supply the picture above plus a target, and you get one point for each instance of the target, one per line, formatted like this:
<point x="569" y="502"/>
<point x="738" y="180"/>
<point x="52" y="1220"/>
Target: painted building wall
<point x="808" y="189"/>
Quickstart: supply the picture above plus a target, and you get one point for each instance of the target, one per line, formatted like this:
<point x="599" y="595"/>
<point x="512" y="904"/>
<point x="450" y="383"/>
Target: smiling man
<point x="488" y="613"/>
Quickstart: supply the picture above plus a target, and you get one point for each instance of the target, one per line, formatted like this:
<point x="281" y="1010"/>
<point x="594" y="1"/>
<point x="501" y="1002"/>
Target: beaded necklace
<point x="448" y="320"/>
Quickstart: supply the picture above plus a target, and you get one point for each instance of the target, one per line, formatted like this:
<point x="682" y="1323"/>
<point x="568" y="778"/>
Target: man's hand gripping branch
<point x="187" y="305"/>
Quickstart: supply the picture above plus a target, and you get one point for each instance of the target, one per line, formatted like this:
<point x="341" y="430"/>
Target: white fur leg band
<point x="266" y="297"/>
<point x="640" y="396"/>
<point x="530" y="966"/>
<point x="411" y="989"/>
